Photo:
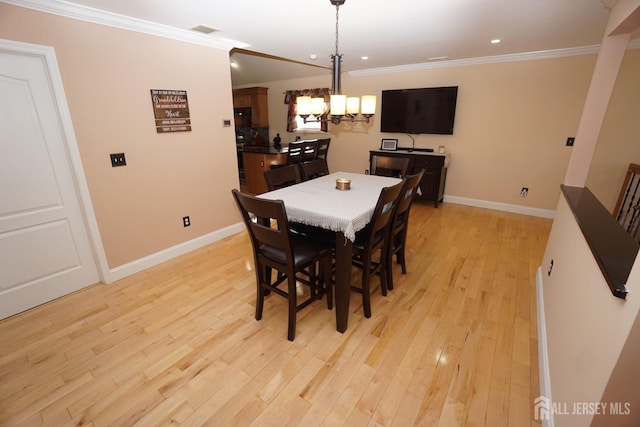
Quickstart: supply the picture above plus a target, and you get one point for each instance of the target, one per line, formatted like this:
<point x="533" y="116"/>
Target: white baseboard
<point x="525" y="210"/>
<point x="141" y="264"/>
<point x="543" y="355"/>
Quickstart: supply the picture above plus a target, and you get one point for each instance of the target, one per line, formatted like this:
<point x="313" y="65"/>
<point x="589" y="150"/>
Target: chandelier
<point x="341" y="107"/>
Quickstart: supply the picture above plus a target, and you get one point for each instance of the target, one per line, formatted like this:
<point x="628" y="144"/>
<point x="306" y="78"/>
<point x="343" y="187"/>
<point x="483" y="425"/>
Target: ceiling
<point x="391" y="34"/>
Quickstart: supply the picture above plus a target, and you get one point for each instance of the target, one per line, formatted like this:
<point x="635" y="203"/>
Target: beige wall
<point x="623" y="385"/>
<point x="587" y="328"/>
<point x="512" y="122"/>
<point x="619" y="140"/>
<point x="108" y="74"/>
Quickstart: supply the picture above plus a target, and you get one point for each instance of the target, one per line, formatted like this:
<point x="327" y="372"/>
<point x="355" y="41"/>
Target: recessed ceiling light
<point x="364" y="58"/>
<point x="205" y="29"/>
<point x="495" y="41"/>
<point x="234" y="64"/>
<point x="313" y="57"/>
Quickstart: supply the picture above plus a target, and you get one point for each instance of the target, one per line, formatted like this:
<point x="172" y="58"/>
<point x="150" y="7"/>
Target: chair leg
<point x="384" y="274"/>
<point x="388" y="259"/>
<point x="327" y="280"/>
<point x="291" y="330"/>
<point x="313" y="278"/>
<point x="260" y="278"/>
<point x="401" y="260"/>
<point x="382" y="271"/>
<point x="399" y="250"/>
<point x="366" y="294"/>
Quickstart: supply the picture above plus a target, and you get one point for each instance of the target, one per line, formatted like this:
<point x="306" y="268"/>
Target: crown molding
<point x="101" y="17"/>
<point x="526" y="56"/>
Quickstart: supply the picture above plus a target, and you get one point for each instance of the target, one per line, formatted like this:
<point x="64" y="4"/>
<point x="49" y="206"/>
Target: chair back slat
<point x="309" y="150"/>
<point x="323" y="148"/>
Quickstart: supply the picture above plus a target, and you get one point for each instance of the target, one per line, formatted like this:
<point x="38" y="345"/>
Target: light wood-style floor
<point x="455" y="344"/>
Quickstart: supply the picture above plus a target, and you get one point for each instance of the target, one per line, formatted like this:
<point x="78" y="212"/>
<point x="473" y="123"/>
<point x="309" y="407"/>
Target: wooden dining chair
<point x="276" y="248"/>
<point x="295" y="153"/>
<point x="282" y="177"/>
<point x="285" y="176"/>
<point x="314" y="169"/>
<point x="372" y="241"/>
<point x="389" y="166"/>
<point x="400" y="224"/>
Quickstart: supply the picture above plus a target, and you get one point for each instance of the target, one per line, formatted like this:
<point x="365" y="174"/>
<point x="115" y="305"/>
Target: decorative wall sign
<point x="171" y="110"/>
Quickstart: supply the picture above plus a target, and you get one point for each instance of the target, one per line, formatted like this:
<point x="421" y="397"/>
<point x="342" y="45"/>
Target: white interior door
<point x="45" y="250"/>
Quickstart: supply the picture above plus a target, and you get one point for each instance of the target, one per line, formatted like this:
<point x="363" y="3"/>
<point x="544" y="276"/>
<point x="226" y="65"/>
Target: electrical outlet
<point x="117" y="159"/>
<point x="524" y="192"/>
<point x="186" y="221"/>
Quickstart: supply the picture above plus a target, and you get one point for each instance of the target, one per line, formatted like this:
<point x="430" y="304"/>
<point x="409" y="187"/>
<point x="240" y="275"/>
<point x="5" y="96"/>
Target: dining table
<point x="322" y="203"/>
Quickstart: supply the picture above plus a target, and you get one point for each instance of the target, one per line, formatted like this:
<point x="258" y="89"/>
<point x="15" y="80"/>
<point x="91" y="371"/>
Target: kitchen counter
<point x="262" y="149"/>
<point x="258" y="158"/>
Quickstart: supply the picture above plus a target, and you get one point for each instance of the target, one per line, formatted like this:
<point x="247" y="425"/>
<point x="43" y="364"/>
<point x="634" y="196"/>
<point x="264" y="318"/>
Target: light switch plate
<point x="117" y="159"/>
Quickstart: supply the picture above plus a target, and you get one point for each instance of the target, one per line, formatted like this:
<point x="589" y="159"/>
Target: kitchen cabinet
<point x="256" y="99"/>
<point x="435" y="171"/>
<point x="256" y="162"/>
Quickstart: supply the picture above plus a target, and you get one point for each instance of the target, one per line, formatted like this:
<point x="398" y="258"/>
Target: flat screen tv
<point x="425" y="110"/>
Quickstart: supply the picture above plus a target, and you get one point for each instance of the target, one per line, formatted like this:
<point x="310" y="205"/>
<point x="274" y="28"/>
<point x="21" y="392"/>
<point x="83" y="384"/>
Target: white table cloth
<point x="319" y="203"/>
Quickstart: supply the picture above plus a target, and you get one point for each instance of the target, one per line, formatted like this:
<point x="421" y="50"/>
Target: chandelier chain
<point x="337" y="17"/>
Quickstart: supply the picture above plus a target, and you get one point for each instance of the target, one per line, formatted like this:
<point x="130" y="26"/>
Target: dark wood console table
<point x="435" y="171"/>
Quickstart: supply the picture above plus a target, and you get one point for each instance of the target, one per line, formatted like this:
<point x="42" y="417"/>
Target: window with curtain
<point x="290" y="100"/>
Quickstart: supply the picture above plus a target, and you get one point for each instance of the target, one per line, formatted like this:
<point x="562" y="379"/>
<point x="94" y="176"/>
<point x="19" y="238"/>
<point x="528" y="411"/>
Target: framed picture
<point x="389" y="144"/>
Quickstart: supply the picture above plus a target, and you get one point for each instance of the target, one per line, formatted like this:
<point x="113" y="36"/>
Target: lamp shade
<point x="338" y="105"/>
<point x="303" y="105"/>
<point x="353" y="105"/>
<point x="368" y="105"/>
<point x="317" y="106"/>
